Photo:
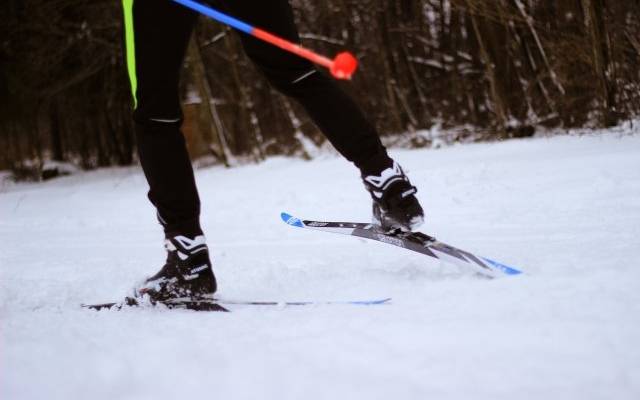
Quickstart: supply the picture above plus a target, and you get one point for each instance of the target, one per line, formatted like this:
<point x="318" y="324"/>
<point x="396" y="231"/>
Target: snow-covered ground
<point x="565" y="209"/>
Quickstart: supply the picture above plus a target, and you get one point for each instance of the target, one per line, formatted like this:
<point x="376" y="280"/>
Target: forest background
<point x="430" y="71"/>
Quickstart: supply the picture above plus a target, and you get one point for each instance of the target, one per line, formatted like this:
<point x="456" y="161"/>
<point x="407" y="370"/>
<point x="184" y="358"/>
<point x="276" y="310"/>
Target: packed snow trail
<point x="566" y="209"/>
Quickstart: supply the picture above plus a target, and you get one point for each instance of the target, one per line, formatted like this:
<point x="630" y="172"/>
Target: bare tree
<point x="501" y="67"/>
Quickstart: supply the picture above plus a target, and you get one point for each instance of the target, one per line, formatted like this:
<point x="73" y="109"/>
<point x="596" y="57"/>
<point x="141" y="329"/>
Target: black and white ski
<point x="415" y="241"/>
<point x="199" y="305"/>
<point x="224" y="305"/>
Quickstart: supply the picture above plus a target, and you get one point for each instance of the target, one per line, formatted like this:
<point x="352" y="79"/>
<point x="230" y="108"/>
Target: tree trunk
<point x="600" y="50"/>
<point x="216" y="136"/>
<point x="490" y="74"/>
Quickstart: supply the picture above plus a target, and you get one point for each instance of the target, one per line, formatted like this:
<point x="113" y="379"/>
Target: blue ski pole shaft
<point x="217" y="15"/>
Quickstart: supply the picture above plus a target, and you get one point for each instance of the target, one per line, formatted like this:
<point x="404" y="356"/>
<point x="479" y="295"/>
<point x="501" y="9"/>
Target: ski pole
<point x="341" y="67"/>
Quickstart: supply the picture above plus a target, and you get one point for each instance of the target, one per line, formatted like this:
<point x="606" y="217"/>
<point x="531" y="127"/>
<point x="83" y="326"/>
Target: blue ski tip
<point x="370" y="302"/>
<point x="291" y="220"/>
<point x="503" y="268"/>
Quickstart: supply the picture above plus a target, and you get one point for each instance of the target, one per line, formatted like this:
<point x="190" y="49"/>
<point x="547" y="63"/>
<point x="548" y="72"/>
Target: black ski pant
<point x="157" y="35"/>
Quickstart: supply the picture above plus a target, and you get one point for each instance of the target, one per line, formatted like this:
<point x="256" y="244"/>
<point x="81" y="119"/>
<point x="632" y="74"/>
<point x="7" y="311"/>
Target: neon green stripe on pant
<point x="130" y="45"/>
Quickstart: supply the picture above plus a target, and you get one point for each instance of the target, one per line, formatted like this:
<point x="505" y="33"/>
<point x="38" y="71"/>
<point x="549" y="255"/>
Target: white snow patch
<point x="565" y="209"/>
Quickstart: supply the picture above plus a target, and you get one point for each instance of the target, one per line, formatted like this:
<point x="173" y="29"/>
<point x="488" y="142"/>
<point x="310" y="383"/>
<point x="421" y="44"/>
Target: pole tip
<point x="344" y="65"/>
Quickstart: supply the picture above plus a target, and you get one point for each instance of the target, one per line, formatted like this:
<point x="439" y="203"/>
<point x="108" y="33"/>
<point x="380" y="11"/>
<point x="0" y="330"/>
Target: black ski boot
<point x="395" y="205"/>
<point x="186" y="275"/>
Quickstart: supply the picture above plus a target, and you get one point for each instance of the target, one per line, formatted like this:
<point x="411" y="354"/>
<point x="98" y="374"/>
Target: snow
<point x="565" y="209"/>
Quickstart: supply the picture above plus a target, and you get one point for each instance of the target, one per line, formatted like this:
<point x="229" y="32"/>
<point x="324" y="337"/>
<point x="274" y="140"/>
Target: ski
<point x="223" y="305"/>
<point x="185" y="305"/>
<point x="415" y="241"/>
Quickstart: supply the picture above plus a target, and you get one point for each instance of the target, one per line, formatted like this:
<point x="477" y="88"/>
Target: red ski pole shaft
<point x="292" y="47"/>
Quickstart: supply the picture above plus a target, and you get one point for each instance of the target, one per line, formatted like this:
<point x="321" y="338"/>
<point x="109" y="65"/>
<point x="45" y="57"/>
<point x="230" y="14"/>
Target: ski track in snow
<point x="565" y="209"/>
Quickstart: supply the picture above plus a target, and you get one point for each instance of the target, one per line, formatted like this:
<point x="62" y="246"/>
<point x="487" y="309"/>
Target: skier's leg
<point x="343" y="123"/>
<point x="158" y="33"/>
<point x="332" y="110"/>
